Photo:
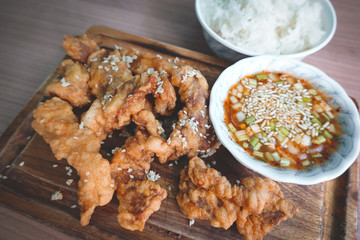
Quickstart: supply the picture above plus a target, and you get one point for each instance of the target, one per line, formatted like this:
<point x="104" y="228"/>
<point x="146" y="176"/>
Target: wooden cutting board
<point x="329" y="210"/>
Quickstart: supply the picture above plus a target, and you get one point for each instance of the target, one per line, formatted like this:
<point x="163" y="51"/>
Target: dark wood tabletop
<point x="31" y="35"/>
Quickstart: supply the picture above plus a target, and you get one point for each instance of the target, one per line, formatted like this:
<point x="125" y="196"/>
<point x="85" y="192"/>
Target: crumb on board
<point x="57" y="195"/>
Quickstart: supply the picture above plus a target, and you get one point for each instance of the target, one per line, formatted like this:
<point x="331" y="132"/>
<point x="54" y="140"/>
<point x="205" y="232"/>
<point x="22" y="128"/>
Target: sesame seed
<point x="191" y="222"/>
<point x="21" y="164"/>
<point x="69" y="182"/>
<point x="56" y="196"/>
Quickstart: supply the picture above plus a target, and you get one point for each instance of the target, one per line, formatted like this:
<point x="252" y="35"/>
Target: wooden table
<point x="30" y="45"/>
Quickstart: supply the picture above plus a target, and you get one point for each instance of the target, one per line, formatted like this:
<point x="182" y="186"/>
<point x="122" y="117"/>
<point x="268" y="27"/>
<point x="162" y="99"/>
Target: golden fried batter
<point x="257" y="204"/>
<point x="138" y="200"/>
<point x="108" y="72"/>
<point x="79" y="48"/>
<point x="55" y="121"/>
<point x="198" y="203"/>
<point x="118" y="84"/>
<point x="72" y="85"/>
<point x="114" y="112"/>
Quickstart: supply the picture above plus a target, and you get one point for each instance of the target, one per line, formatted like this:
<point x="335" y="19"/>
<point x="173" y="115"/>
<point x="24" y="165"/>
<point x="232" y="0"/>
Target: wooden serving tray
<point x="329" y="210"/>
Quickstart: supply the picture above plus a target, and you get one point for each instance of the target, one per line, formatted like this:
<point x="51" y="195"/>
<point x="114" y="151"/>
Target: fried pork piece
<point x="114" y="112"/>
<point x="146" y="119"/>
<point x="209" y="178"/>
<point x="190" y="136"/>
<point x="132" y="155"/>
<point x="138" y="197"/>
<point x="138" y="200"/>
<point x="55" y="121"/>
<point x="72" y="85"/>
<point x="198" y="203"/>
<point x="164" y="94"/>
<point x="107" y="72"/>
<point x="263" y="206"/>
<point x="257" y="204"/>
<point x="79" y="48"/>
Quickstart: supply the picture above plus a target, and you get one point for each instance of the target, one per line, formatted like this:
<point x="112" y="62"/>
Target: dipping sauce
<point x="282" y="120"/>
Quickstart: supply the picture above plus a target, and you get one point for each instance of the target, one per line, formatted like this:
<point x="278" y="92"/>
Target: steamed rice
<point x="266" y="26"/>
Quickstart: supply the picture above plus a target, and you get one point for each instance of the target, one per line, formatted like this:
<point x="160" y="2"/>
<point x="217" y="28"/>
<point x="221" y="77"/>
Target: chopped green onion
<point x="284" y="162"/>
<point x="257" y="146"/>
<point x="254" y="140"/>
<point x="231" y="127"/>
<point x="307" y="99"/>
<point x="241" y="135"/>
<point x="261" y="76"/>
<point x="280" y="82"/>
<point x="276" y="156"/>
<point x="317" y="155"/>
<point x="302" y="104"/>
<point x="258" y="154"/>
<point x="312" y="91"/>
<point x="315" y="120"/>
<point x="249" y="120"/>
<point x="328" y="135"/>
<point x="284" y="131"/>
<point x="272" y="125"/>
<point x="280" y="137"/>
<point x="315" y="114"/>
<point x="326" y="116"/>
<point x="252" y="82"/>
<point x="269" y="156"/>
<point x="298" y="86"/>
<point x="319" y="140"/>
<point x="305" y="163"/>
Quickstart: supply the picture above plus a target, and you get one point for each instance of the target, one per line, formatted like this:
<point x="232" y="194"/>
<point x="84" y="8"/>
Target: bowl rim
<point x="244" y="51"/>
<point x="270" y="173"/>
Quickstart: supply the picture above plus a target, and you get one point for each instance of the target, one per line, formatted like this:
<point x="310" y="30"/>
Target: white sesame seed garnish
<point x="54" y="165"/>
<point x="73" y="206"/>
<point x="64" y="83"/>
<point x="191" y="222"/>
<point x="21" y="164"/>
<point x="87" y="173"/>
<point x="56" y="196"/>
<point x="151" y="175"/>
<point x="131" y="176"/>
<point x="69" y="181"/>
<point x="85" y="180"/>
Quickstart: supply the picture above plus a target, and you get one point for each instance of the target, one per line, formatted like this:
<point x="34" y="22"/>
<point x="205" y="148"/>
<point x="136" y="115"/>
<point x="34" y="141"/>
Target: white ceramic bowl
<point x="349" y="144"/>
<point x="231" y="52"/>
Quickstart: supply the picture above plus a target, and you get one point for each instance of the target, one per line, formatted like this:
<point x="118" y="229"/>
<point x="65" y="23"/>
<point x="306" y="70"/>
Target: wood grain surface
<point x="31" y="49"/>
<point x="27" y="162"/>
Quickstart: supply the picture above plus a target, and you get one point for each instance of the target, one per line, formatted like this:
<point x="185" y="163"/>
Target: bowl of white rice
<point x="235" y="29"/>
